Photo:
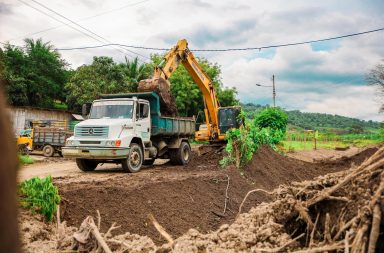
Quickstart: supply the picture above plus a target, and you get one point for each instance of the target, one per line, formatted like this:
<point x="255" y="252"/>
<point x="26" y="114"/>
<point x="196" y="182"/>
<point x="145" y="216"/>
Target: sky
<point x="326" y="77"/>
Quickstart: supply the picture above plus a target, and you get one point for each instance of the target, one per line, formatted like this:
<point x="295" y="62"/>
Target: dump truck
<point x="50" y="140"/>
<point x="129" y="129"/>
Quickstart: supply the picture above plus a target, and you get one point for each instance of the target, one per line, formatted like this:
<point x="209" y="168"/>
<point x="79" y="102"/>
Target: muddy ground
<point x="186" y="197"/>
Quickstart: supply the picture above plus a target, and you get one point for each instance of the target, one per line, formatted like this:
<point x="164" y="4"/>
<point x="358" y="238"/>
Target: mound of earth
<point x="184" y="197"/>
<point x="334" y="212"/>
<point x="269" y="169"/>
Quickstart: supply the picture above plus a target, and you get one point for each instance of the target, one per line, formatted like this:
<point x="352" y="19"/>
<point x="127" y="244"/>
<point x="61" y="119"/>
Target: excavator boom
<point x="216" y="118"/>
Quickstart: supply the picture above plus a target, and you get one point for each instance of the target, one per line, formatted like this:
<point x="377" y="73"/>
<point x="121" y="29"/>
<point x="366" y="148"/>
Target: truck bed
<point x="161" y="126"/>
<point x="51" y="136"/>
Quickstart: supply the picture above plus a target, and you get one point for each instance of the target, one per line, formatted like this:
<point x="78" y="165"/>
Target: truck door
<point x="143" y="121"/>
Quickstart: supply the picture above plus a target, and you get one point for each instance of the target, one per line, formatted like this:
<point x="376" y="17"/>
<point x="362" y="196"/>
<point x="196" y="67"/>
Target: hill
<point x="308" y="120"/>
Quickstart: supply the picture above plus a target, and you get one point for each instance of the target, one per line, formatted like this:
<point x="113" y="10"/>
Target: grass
<point x="290" y="146"/>
<point x="26" y="159"/>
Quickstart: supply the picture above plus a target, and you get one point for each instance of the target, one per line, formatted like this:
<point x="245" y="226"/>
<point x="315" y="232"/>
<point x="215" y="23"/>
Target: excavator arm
<point x="181" y="54"/>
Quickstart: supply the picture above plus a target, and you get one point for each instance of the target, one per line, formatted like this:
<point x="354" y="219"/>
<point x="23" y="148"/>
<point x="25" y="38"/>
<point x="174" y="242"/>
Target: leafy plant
<point x="268" y="128"/>
<point x="25" y="159"/>
<point x="40" y="195"/>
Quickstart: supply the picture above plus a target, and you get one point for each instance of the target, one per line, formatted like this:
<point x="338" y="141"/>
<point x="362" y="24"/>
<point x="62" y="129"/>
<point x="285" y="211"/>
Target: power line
<point x="67" y="24"/>
<point x="83" y="19"/>
<point x="230" y="49"/>
<point x="84" y="28"/>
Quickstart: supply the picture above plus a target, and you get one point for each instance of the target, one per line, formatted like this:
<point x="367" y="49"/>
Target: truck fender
<point x="138" y="140"/>
<point x="176" y="142"/>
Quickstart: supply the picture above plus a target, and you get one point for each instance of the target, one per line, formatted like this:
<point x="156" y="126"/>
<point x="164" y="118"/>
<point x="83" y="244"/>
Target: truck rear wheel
<point x="48" y="150"/>
<point x="135" y="159"/>
<point x="86" y="165"/>
<point x="182" y="155"/>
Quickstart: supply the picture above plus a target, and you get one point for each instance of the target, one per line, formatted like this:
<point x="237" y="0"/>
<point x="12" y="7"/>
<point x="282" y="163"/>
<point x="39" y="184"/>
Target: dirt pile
<point x="269" y="169"/>
<point x="163" y="88"/>
<point x="183" y="197"/>
<point x="335" y="212"/>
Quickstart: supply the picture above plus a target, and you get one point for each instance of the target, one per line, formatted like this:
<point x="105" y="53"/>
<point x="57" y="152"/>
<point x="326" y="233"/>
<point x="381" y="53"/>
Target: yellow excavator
<point x="218" y="120"/>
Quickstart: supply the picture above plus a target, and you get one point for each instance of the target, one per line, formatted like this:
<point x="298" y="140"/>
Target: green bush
<point x="26" y="159"/>
<point x="269" y="128"/>
<point x="40" y="195"/>
<point x="273" y="118"/>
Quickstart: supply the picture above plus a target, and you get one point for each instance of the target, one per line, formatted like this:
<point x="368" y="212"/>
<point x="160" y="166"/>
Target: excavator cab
<point x="229" y="118"/>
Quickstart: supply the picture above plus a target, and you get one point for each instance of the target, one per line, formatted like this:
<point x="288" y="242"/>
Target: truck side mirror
<point x="86" y="109"/>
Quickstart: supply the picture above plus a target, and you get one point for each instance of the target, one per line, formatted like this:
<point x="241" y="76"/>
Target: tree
<point x="273" y="118"/>
<point x="376" y="77"/>
<point x="35" y="75"/>
<point x="134" y="72"/>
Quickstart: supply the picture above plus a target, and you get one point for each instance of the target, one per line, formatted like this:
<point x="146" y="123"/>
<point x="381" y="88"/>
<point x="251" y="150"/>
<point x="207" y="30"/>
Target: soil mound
<point x="269" y="169"/>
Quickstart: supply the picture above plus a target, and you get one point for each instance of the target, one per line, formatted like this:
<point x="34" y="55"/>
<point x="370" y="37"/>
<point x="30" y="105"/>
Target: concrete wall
<point x="22" y="116"/>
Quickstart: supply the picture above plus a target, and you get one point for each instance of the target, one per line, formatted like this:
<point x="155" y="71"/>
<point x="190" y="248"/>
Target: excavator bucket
<point x="163" y="88"/>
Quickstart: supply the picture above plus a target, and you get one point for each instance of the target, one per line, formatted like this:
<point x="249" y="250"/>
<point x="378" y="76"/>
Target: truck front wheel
<point x="86" y="165"/>
<point x="182" y="155"/>
<point x="135" y="159"/>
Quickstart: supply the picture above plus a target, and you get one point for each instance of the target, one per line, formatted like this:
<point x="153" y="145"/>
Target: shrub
<point x="40" y="195"/>
<point x="25" y="159"/>
<point x="269" y="128"/>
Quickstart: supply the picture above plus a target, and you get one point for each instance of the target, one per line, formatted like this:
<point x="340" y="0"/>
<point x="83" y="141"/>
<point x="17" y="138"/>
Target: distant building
<point x="24" y="117"/>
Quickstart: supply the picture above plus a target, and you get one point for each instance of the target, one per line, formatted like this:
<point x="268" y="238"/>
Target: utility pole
<point x="273" y="90"/>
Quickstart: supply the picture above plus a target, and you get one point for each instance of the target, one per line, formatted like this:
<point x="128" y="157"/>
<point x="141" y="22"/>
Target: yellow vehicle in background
<point x="50" y="140"/>
<point x="25" y="141"/>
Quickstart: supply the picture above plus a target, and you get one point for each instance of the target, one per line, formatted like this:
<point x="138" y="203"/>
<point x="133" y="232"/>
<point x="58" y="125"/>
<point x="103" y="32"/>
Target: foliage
<point x="376" y="77"/>
<point x="40" y="195"/>
<point x="273" y="118"/>
<point x="189" y="99"/>
<point x="317" y="121"/>
<point x="244" y="141"/>
<point x="25" y="159"/>
<point x="104" y="76"/>
<point x="34" y="74"/>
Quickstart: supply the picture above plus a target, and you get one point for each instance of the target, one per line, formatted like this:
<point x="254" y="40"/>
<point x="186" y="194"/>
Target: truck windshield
<point x="112" y="110"/>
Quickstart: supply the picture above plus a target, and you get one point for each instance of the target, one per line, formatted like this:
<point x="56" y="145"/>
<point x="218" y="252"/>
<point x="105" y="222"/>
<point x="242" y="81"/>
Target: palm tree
<point x="135" y="71"/>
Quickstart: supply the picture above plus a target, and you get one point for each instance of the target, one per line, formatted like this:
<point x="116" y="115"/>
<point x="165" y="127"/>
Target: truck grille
<point x="96" y="131"/>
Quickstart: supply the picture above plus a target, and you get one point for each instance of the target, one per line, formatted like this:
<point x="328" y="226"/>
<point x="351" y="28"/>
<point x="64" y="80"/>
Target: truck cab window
<point x="142" y="111"/>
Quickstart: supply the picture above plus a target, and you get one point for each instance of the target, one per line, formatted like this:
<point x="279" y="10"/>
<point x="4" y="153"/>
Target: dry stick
<point x="96" y="233"/>
<point x="109" y="232"/>
<point x="321" y="249"/>
<point x="357" y="245"/>
<point x="375" y="229"/>
<point x="161" y="230"/>
<point x="98" y="219"/>
<point x="246" y="196"/>
<point x="346" y="226"/>
<point x="329" y="191"/>
<point x="226" y="196"/>
<point x="346" y="242"/>
<point x="327" y="235"/>
<point x="281" y="248"/>
<point x="313" y="230"/>
<point x="303" y="212"/>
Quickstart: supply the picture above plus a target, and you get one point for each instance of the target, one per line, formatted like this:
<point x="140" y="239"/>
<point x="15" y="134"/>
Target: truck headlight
<point x="115" y="143"/>
<point x="69" y="143"/>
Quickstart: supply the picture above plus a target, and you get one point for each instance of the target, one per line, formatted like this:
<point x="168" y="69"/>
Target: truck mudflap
<point x="98" y="153"/>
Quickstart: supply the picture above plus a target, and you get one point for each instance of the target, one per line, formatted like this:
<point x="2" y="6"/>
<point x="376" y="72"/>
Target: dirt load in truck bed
<point x="162" y="88"/>
<point x="187" y="197"/>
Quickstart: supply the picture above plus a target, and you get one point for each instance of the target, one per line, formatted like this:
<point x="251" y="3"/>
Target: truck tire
<point x="182" y="155"/>
<point x="135" y="159"/>
<point x="86" y="165"/>
<point x="48" y="150"/>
